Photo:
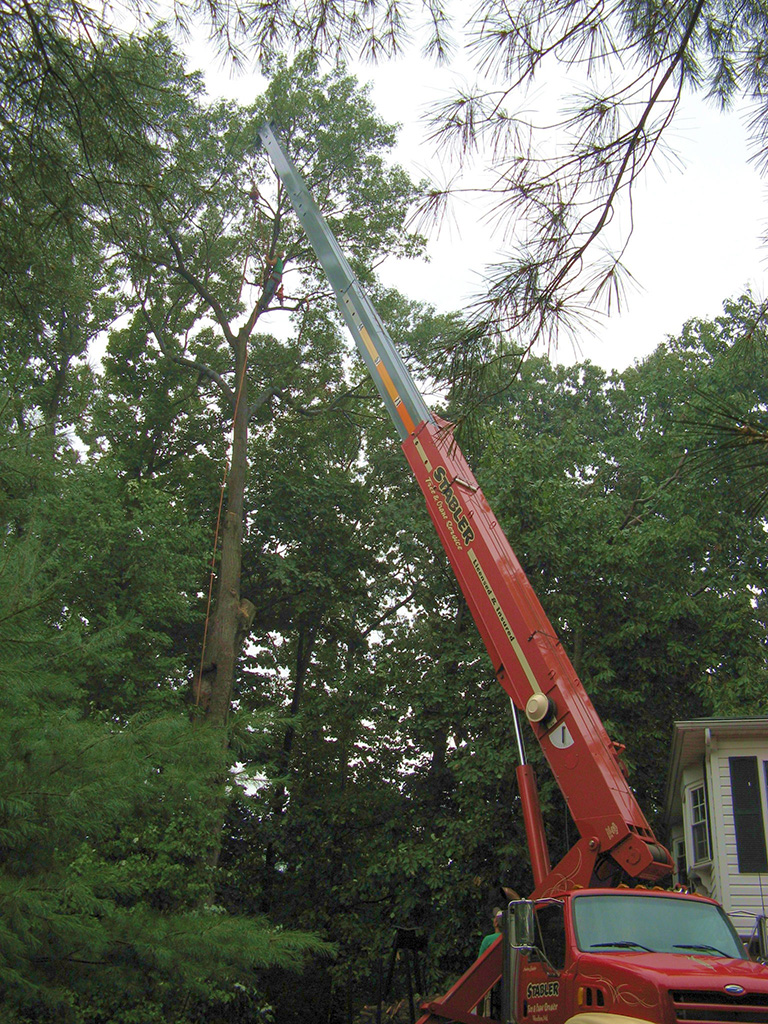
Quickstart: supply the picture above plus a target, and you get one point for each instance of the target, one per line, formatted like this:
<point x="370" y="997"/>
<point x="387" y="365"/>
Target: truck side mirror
<point x="519" y="940"/>
<point x="521" y="925"/>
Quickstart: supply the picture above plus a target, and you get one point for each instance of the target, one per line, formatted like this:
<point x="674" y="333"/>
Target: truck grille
<point x="719" y="1007"/>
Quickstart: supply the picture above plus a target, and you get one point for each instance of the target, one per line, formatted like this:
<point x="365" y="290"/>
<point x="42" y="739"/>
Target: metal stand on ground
<point x="411" y="943"/>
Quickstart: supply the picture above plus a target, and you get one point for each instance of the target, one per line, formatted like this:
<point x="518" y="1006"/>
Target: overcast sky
<point x="698" y="225"/>
<point x="696" y="240"/>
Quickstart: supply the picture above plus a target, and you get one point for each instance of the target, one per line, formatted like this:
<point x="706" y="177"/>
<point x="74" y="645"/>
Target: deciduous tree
<point x="194" y="249"/>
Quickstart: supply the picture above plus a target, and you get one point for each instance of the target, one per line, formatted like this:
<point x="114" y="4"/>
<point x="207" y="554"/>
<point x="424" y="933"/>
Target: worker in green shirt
<point x="488" y="940"/>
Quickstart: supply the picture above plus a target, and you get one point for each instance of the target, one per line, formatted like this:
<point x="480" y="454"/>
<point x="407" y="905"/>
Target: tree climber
<point x="273" y="280"/>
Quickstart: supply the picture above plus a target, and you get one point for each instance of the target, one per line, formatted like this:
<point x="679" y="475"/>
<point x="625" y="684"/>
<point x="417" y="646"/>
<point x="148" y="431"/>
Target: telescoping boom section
<point x="527" y="657"/>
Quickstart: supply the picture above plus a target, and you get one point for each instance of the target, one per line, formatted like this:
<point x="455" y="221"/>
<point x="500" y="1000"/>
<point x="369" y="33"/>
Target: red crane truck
<point x="598" y="941"/>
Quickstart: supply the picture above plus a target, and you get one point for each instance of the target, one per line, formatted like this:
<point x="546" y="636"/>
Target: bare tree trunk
<point x="228" y="625"/>
<point x="225" y="635"/>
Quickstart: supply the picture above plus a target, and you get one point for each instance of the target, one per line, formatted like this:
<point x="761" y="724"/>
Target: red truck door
<point x="544" y="991"/>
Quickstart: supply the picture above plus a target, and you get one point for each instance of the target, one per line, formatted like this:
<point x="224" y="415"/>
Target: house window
<point x="748" y="815"/>
<point x="699" y="824"/>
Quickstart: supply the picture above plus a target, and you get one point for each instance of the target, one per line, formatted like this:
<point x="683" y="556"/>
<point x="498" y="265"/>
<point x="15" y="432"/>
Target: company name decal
<point x="452" y="504"/>
<point x="543" y="989"/>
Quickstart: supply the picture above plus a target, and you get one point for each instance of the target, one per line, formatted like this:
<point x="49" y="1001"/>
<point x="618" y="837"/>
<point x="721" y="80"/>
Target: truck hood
<point x="677" y="971"/>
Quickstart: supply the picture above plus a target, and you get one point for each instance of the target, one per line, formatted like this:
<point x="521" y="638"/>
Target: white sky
<point x="696" y="239"/>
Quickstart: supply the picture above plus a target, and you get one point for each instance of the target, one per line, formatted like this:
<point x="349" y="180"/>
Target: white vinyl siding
<point x="743" y="895"/>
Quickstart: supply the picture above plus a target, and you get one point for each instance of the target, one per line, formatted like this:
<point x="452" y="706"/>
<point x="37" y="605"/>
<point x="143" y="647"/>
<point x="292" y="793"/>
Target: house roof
<point x="689" y="740"/>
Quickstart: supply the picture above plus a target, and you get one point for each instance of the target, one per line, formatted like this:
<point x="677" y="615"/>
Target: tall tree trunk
<point x="226" y="633"/>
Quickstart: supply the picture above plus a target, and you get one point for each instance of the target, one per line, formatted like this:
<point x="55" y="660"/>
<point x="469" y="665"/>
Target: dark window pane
<point x="748" y="814"/>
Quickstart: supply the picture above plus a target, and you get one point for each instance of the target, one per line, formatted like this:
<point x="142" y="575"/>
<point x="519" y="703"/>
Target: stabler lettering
<point x="539" y="990"/>
<point x="453" y="504"/>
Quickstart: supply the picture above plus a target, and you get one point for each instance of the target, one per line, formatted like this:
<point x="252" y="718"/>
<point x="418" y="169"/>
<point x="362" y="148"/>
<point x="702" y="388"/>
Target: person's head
<point x="497" y="918"/>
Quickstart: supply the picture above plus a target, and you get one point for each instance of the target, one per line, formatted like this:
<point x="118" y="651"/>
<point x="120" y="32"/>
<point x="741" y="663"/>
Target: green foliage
<point x="112" y="795"/>
<point x="639" y="550"/>
<point x="104" y="832"/>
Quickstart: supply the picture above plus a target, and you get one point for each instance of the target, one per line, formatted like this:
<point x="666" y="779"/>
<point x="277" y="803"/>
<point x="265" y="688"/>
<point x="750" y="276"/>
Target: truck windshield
<point x="655" y="924"/>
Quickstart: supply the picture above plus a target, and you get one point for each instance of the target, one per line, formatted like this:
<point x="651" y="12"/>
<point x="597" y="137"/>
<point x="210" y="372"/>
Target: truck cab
<point x="600" y="956"/>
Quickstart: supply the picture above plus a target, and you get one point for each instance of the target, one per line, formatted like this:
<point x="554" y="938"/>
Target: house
<point x="716" y="813"/>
